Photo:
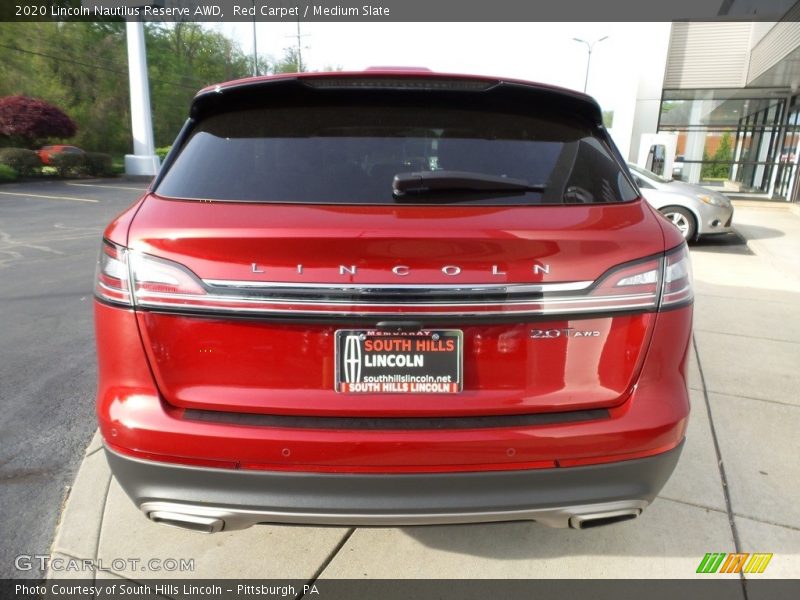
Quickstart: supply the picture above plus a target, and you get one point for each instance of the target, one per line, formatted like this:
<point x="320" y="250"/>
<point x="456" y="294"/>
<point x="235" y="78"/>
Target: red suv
<point x="391" y="298"/>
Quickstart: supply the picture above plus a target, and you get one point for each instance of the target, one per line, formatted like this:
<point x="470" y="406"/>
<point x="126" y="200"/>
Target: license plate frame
<point x="428" y="361"/>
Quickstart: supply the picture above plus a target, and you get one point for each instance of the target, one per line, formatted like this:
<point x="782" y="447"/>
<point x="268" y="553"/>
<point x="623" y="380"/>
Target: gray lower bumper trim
<point x="238" y="499"/>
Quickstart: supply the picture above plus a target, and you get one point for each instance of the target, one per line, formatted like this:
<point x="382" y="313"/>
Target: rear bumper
<point x="137" y="422"/>
<point x="208" y="499"/>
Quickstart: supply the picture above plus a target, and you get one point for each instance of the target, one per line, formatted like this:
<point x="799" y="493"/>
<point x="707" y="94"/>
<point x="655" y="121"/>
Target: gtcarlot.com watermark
<point x="58" y="564"/>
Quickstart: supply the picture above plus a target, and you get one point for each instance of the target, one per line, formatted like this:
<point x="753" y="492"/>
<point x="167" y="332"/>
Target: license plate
<point x="381" y="362"/>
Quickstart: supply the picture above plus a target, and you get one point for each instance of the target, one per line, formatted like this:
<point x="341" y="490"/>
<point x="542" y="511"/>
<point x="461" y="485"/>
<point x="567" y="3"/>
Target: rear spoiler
<point x="248" y="91"/>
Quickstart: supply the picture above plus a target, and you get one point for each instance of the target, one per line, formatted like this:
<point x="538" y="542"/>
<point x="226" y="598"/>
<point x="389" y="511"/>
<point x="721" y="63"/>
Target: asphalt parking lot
<point x="734" y="490"/>
<point x="49" y="238"/>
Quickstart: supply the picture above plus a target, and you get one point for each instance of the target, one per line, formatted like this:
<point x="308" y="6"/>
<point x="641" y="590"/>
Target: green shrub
<point x="99" y="164"/>
<point x="24" y="162"/>
<point x="162" y="152"/>
<point x="69" y="165"/>
<point x="118" y="165"/>
<point x="7" y="173"/>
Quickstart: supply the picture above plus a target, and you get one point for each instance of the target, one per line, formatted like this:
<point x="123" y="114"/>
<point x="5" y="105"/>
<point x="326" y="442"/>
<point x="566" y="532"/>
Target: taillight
<point x="112" y="280"/>
<point x="162" y="282"/>
<point x="128" y="277"/>
<point x="678" y="285"/>
<point x="631" y="286"/>
<point x="648" y="283"/>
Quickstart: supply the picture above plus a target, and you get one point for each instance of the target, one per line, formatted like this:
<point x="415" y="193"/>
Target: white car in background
<point x="694" y="210"/>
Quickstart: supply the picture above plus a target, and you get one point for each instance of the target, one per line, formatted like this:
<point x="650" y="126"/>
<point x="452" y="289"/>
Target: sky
<point x="544" y="52"/>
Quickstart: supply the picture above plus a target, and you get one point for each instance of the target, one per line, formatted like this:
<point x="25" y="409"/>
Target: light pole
<point x="299" y="37"/>
<point x="299" y="47"/>
<point x="255" y="47"/>
<point x="143" y="161"/>
<point x="589" y="47"/>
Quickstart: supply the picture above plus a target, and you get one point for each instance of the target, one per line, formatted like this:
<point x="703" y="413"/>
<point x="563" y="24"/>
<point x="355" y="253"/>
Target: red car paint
<point x="155" y="365"/>
<point x="136" y="420"/>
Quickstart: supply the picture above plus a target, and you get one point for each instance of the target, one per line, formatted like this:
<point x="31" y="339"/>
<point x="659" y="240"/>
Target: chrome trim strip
<point x="291" y="302"/>
<point x="393" y="300"/>
<point x="237" y="518"/>
<point x="367" y="289"/>
<point x="396" y="314"/>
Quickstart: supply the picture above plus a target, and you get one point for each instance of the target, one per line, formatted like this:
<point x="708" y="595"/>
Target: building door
<point x="757" y="148"/>
<point x="786" y="179"/>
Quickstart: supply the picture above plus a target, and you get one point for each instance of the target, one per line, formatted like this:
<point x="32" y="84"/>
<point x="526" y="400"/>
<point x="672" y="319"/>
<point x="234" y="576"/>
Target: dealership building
<point x="718" y="103"/>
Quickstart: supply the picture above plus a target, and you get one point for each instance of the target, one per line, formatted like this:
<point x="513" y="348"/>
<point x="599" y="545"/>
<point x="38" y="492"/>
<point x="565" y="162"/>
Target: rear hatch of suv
<point x="387" y="245"/>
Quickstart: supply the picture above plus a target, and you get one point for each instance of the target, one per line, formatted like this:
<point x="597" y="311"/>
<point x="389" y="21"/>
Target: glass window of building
<point x="741" y="141"/>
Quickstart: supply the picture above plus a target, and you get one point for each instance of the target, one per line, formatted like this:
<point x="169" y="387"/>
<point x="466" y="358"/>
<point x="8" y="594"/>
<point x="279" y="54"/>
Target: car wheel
<point x="683" y="219"/>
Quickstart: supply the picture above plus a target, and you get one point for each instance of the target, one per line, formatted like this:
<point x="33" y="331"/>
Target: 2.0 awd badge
<point x="563" y="332"/>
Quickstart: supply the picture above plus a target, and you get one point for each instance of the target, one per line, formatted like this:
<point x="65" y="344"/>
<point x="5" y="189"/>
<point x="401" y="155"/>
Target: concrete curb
<point x="78" y="531"/>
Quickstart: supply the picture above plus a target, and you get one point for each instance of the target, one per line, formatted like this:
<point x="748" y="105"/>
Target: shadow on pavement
<point x="756" y="232"/>
<point x="727" y="243"/>
<point x="653" y="534"/>
<point x="502" y="541"/>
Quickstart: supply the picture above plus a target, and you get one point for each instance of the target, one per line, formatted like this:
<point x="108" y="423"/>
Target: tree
<point x="724" y="155"/>
<point x="82" y="67"/>
<point x="182" y="58"/>
<point x="289" y="63"/>
<point x="79" y="67"/>
<point x="29" y="121"/>
<point x="718" y="166"/>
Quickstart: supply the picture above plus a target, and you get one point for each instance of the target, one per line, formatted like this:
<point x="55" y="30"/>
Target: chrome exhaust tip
<point x="184" y="521"/>
<point x="603" y="518"/>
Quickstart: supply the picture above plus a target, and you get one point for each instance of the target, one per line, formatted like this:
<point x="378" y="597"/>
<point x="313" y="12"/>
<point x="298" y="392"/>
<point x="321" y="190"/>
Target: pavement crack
<point x="102" y="522"/>
<point x="345" y="538"/>
<point x="765" y="522"/>
<point x="743" y="397"/>
<point x="720" y="463"/>
<point x="761" y="301"/>
<point x="694" y="504"/>
<point x="746" y="336"/>
<point x="144" y="582"/>
<point x="95" y="451"/>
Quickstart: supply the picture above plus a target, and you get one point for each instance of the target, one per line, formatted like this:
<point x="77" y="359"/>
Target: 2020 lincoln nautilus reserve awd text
<point x="392" y="297"/>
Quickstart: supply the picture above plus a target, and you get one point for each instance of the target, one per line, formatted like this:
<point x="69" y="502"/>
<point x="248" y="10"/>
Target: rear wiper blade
<point x="431" y="182"/>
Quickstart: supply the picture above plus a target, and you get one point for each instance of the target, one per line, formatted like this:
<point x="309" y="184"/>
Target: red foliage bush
<point x="33" y="119"/>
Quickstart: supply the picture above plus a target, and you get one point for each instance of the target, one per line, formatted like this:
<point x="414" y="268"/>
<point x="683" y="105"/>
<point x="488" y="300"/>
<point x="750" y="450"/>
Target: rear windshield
<point x="351" y="154"/>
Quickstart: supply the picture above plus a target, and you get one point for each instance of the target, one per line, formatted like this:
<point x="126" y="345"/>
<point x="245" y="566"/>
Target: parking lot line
<point x="110" y="187"/>
<point x="26" y="195"/>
